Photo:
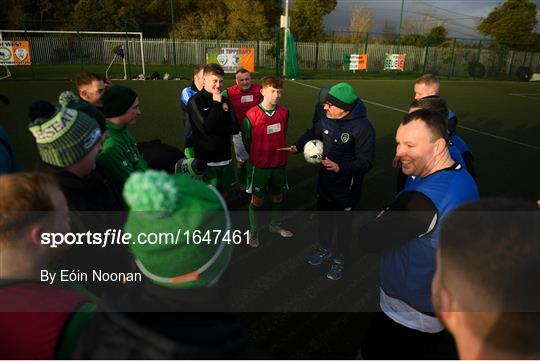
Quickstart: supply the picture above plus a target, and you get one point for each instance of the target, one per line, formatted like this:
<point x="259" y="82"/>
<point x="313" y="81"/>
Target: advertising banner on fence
<point x="232" y="58"/>
<point x="15" y="53"/>
<point x="358" y="62"/>
<point x="394" y="61"/>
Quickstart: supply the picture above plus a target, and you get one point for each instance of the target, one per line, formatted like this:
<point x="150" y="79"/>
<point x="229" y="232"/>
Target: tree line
<point x="512" y="24"/>
<point x="203" y="19"/>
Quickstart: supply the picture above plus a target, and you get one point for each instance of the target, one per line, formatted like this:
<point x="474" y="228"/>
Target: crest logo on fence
<point x="5" y="53"/>
<point x="21" y="53"/>
<point x="222" y="59"/>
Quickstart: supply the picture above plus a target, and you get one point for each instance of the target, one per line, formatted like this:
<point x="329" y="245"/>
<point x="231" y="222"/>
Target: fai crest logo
<point x="21" y="53"/>
<point x="345" y="137"/>
<point x="222" y="59"/>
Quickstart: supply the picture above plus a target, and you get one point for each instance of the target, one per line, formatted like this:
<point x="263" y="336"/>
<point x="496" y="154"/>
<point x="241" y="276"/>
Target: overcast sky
<point x="460" y="17"/>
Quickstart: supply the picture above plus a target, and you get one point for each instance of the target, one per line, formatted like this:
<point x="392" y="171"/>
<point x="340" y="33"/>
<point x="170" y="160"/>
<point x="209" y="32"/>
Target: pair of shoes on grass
<point x="322" y="254"/>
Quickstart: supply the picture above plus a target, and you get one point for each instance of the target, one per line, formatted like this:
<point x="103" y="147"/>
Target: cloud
<point x="460" y="17"/>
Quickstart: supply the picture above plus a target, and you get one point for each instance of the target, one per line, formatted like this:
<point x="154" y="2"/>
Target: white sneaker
<point x="280" y="230"/>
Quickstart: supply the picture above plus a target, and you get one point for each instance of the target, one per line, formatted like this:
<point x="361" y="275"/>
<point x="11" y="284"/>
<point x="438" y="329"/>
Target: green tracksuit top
<point x="120" y="156"/>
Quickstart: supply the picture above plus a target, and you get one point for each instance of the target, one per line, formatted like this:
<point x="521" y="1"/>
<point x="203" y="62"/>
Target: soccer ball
<point x="313" y="151"/>
<point x="190" y="166"/>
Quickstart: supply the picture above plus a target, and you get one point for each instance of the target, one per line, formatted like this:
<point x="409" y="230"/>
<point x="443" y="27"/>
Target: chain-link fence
<point x="57" y="54"/>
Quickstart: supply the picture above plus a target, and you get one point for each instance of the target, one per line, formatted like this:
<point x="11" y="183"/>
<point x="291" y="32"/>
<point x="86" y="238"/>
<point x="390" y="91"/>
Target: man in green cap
<point x="120" y="156"/>
<point x="348" y="151"/>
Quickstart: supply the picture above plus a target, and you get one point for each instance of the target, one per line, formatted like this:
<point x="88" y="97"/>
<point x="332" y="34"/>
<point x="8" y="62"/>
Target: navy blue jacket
<point x="350" y="142"/>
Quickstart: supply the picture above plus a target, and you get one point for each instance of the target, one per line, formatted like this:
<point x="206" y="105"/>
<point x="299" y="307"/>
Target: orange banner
<point x="247" y="58"/>
<point x="358" y="62"/>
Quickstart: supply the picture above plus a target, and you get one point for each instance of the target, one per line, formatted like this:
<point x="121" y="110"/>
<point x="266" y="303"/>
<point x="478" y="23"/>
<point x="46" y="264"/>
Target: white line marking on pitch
<point x="526" y="95"/>
<point x="459" y="126"/>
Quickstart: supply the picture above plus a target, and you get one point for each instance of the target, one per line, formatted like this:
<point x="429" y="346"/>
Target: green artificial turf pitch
<point x="499" y="120"/>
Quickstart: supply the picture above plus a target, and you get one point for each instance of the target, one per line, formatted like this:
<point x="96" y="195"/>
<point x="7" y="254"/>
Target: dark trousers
<point x="333" y="218"/>
<point x="386" y="339"/>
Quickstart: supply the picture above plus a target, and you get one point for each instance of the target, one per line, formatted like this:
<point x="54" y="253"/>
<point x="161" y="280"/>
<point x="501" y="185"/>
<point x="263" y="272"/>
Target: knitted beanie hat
<point x="117" y="100"/>
<point x="67" y="97"/>
<point x="65" y="137"/>
<point x="71" y="100"/>
<point x="192" y="220"/>
<point x="342" y="95"/>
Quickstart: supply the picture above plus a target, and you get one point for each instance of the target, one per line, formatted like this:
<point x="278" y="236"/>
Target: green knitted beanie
<point x="66" y="137"/>
<point x="184" y="211"/>
<point x="342" y="95"/>
<point x="117" y="100"/>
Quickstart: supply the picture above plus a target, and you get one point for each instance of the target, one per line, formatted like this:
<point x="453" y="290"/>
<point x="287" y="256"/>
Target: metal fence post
<point x="453" y="60"/>
<point x="478" y="57"/>
<point x="426" y="50"/>
<point x="479" y="51"/>
<point x="173" y="37"/>
<point x="126" y="53"/>
<point x="258" y="48"/>
<point x="332" y="51"/>
<point x="366" y="43"/>
<point x="30" y="44"/>
<point x="526" y="55"/>
<point x="511" y="63"/>
<point x="166" y="56"/>
<point x="397" y="46"/>
<point x="316" y="54"/>
<point x="80" y="50"/>
<point x="278" y="50"/>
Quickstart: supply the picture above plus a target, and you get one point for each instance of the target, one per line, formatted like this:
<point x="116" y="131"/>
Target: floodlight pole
<point x="399" y="29"/>
<point x="399" y="33"/>
<point x="285" y="38"/>
<point x="174" y="39"/>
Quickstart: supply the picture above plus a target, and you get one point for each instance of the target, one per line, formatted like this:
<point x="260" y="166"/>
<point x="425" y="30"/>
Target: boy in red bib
<point x="264" y="133"/>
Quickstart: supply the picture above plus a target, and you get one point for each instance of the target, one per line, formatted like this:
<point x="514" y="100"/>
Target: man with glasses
<point x="348" y="152"/>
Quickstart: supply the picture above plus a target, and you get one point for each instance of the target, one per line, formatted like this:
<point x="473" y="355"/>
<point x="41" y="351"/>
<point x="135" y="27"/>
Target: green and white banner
<point x="394" y="61"/>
